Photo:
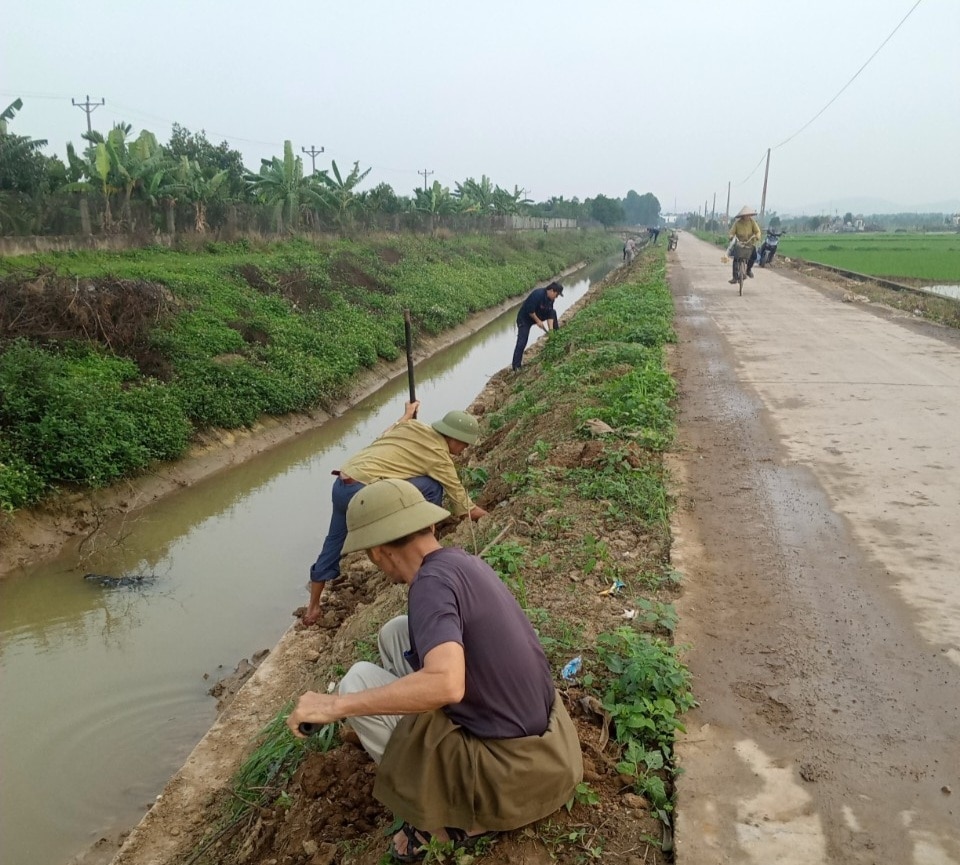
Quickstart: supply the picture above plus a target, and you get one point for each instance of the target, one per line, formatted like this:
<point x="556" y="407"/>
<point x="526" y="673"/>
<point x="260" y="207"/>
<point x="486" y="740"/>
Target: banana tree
<point x="434" y="201"/>
<point x="281" y="185"/>
<point x="474" y="196"/>
<point x="133" y="165"/>
<point x="162" y="189"/>
<point x="23" y="176"/>
<point x="504" y="203"/>
<point x="197" y="189"/>
<point x="342" y="192"/>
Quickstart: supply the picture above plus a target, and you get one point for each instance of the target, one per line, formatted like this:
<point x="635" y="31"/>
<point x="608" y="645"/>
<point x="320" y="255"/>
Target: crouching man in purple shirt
<point x="463" y="717"/>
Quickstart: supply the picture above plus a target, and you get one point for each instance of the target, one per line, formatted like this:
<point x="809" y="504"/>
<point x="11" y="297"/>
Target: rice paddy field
<point x="913" y="258"/>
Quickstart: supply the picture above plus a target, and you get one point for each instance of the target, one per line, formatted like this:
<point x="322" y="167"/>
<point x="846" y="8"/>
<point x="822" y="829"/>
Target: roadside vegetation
<point x="110" y="362"/>
<point x="571" y="468"/>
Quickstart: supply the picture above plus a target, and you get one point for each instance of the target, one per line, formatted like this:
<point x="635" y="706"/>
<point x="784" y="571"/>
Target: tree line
<point x="119" y="183"/>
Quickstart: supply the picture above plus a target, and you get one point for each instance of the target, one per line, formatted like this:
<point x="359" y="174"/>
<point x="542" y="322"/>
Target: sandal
<point x="468" y="843"/>
<point x="417" y="841"/>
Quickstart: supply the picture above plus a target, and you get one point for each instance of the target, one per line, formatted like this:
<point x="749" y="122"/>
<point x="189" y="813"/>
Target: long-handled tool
<point x="408" y="336"/>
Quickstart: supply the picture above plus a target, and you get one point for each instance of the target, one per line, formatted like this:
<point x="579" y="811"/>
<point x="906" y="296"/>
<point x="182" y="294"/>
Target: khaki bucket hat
<point x="746" y="210"/>
<point x="458" y="425"/>
<point x="385" y="511"/>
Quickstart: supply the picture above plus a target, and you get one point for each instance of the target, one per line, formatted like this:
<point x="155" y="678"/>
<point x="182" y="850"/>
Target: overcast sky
<point x="673" y="97"/>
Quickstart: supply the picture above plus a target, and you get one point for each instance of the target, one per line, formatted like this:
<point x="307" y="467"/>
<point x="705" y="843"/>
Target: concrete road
<point x="818" y="474"/>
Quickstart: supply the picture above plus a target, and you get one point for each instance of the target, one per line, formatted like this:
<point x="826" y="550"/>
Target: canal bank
<point x="572" y="541"/>
<point x="86" y="770"/>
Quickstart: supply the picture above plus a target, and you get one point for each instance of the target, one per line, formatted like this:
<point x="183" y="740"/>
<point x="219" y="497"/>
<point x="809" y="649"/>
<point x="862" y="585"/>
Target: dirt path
<point x="818" y="459"/>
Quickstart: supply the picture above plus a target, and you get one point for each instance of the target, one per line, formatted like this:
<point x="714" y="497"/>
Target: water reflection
<point x="104" y="689"/>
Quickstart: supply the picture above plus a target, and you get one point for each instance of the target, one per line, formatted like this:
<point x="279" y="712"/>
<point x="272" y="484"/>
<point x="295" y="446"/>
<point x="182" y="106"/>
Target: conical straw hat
<point x="746" y="210"/>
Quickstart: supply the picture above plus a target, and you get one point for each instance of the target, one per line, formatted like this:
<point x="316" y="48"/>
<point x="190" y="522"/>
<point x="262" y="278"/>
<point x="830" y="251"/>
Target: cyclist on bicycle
<point x="745" y="229"/>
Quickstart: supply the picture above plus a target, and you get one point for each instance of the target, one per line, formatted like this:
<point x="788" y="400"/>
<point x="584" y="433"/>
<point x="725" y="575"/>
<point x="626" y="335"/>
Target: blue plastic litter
<point x="572" y="668"/>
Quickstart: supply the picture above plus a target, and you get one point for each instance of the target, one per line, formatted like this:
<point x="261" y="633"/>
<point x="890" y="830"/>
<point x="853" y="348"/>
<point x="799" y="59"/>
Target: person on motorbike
<point x="745" y="229"/>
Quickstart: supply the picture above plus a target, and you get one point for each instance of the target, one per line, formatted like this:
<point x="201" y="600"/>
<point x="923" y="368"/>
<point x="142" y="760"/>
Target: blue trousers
<point x="327" y="565"/>
<point x="523" y="337"/>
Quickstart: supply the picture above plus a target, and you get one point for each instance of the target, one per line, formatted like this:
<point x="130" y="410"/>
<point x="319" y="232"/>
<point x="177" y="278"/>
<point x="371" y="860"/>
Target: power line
<point x="425" y="173"/>
<point x="856" y="74"/>
<point x="755" y="167"/>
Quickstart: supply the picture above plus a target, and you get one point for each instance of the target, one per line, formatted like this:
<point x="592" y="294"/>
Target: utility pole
<point x="763" y="198"/>
<point x="713" y="211"/>
<point x="425" y="173"/>
<point x="704" y="214"/>
<point x="89" y="107"/>
<point x="313" y="153"/>
<point x="726" y="215"/>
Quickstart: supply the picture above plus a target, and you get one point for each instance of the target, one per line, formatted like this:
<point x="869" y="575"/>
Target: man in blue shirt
<point x="537" y="310"/>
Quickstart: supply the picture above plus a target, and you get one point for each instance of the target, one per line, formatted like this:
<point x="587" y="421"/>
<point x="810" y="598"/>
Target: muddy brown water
<point x="105" y="690"/>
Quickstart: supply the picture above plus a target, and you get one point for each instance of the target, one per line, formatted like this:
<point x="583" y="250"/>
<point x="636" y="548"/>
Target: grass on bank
<point x="584" y="522"/>
<point x="112" y="361"/>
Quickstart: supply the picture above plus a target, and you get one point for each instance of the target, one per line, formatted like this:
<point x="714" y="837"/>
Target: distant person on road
<point x="537" y="310"/>
<point x="412" y="450"/>
<point x="746" y="230"/>
<point x="463" y="718"/>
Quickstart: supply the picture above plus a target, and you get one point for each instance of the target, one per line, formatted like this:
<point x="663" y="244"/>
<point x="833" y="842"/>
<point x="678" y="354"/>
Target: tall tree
<point x="607" y="211"/>
<point x="211" y="158"/>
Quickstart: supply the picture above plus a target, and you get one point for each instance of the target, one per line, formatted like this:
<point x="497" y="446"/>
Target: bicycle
<point x="743" y="254"/>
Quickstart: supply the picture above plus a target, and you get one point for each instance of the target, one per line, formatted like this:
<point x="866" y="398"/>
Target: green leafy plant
<point x="583" y="794"/>
<point x="507" y="559"/>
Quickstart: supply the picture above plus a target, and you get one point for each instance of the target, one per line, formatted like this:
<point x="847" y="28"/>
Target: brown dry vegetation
<point x="46" y="307"/>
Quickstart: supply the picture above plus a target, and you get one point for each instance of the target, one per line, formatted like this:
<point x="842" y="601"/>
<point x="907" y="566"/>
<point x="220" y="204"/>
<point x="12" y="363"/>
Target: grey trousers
<point x="375" y="730"/>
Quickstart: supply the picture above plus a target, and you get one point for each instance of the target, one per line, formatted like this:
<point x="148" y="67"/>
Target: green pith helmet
<point x="385" y="511"/>
<point x="458" y="425"/>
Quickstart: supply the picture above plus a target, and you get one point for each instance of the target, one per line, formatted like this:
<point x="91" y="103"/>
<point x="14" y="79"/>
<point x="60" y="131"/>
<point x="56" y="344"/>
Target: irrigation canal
<point x="105" y="690"/>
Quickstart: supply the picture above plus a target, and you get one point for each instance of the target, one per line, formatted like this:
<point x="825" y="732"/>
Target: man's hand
<point x="313" y="611"/>
<point x="410" y="410"/>
<point x="476" y="512"/>
<point x="313" y="708"/>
